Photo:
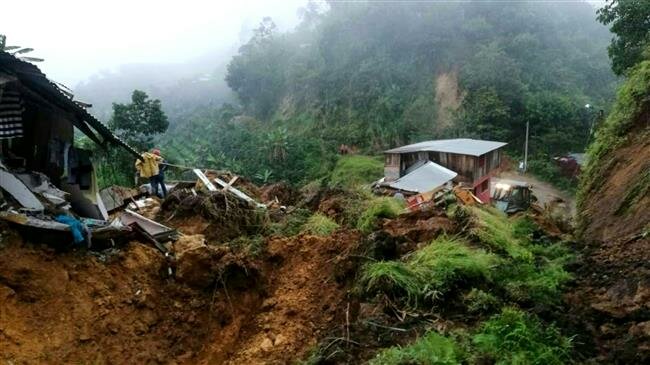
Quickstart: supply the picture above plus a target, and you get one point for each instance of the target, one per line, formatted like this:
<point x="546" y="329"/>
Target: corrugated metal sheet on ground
<point x="425" y="178"/>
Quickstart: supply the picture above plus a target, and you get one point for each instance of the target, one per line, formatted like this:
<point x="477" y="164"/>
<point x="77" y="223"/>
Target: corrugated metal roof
<point x="35" y="80"/>
<point x="461" y="146"/>
<point x="425" y="178"/>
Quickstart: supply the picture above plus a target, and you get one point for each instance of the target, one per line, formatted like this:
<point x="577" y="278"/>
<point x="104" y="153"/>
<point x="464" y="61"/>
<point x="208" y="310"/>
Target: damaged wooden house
<point x="425" y="166"/>
<point x="42" y="172"/>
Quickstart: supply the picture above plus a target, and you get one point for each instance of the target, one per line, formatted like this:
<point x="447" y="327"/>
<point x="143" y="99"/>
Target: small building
<point x="38" y="120"/>
<point x="475" y="161"/>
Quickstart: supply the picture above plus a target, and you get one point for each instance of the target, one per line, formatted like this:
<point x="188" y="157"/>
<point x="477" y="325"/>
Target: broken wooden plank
<point x="204" y="179"/>
<point x="237" y="192"/>
<point x="232" y="181"/>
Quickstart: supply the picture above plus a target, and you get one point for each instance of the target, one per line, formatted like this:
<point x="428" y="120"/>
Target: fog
<point x="79" y="38"/>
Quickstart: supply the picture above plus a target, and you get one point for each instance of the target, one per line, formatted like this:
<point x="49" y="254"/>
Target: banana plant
<point x="17" y="50"/>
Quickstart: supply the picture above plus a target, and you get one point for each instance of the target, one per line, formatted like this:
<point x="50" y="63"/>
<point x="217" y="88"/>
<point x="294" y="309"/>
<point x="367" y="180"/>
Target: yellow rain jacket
<point x="148" y="167"/>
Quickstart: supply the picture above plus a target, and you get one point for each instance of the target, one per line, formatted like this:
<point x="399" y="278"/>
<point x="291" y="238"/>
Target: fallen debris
<point x="17" y="189"/>
<point x="156" y="230"/>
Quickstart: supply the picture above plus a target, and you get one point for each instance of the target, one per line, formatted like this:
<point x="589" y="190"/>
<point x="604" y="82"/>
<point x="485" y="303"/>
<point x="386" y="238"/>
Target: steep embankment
<point x="613" y="288"/>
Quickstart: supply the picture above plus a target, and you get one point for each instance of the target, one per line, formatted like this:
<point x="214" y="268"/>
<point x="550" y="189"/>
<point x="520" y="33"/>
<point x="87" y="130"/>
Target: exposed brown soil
<point x="223" y="306"/>
<point x="610" y="301"/>
<point x="307" y="294"/>
<point x="602" y="209"/>
<point x="611" y="298"/>
<point x="420" y="226"/>
<point x="80" y="308"/>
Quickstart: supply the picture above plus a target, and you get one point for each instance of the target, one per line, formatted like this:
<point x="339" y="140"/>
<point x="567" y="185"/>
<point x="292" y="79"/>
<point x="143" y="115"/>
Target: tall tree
<point x="139" y="121"/>
<point x="630" y="22"/>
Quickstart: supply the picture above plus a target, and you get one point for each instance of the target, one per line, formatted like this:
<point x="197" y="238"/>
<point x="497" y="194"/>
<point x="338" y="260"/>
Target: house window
<point x="481" y="161"/>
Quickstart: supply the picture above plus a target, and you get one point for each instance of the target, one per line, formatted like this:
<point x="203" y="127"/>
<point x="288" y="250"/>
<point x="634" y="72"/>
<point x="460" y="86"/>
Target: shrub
<point x="252" y="245"/>
<point x="495" y="230"/>
<point x="547" y="170"/>
<point x="383" y="207"/>
<point x="478" y="301"/>
<point x="430" y="272"/>
<point x="354" y="170"/>
<point x="514" y="337"/>
<point x="431" y="349"/>
<point x="320" y="225"/>
<point x="292" y="224"/>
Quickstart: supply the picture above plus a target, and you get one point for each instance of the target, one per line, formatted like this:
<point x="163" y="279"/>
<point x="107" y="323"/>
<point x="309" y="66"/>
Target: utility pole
<point x="526" y="149"/>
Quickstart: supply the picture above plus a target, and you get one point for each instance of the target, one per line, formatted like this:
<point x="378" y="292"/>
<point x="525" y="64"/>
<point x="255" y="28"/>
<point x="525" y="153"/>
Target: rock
<point x="84" y="334"/>
<point x="194" y="262"/>
<point x="266" y="344"/>
<point x="279" y="340"/>
<point x="269" y="303"/>
<point x="641" y="329"/>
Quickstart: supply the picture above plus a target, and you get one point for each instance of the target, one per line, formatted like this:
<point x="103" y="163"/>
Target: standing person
<point x="160" y="178"/>
<point x="148" y="167"/>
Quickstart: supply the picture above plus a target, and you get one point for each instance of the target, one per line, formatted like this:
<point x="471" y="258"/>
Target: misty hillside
<point x="378" y="75"/>
<point x="180" y="87"/>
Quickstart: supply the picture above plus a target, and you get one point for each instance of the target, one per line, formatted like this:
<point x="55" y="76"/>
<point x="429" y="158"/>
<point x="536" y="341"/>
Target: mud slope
<point x="611" y="299"/>
<point x="121" y="308"/>
<point x="77" y="308"/>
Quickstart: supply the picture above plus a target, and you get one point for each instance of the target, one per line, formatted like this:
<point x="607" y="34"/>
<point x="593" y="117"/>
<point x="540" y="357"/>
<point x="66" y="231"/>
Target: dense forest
<point x="376" y="75"/>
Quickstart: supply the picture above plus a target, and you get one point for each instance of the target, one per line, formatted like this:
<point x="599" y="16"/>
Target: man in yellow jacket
<point x="149" y="167"/>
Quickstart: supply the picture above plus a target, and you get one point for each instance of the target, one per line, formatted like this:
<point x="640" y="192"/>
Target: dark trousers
<point x="155" y="181"/>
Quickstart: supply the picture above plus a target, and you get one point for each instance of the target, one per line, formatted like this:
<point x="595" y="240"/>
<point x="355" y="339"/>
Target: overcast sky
<point x="78" y="38"/>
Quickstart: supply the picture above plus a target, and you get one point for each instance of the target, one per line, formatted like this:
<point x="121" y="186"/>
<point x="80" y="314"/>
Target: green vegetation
<point x="637" y="190"/>
<point x="547" y="170"/>
<point x="320" y="224"/>
<point x="629" y="21"/>
<point x="514" y="337"/>
<point x="494" y="229"/>
<point x="479" y="301"/>
<point x="429" y="272"/>
<point x="431" y="349"/>
<point x="631" y="104"/>
<point x="292" y="223"/>
<point x="354" y="170"/>
<point x="510" y="337"/>
<point x="383" y="207"/>
<point x="136" y="123"/>
<point x="372" y="76"/>
<point x="251" y="245"/>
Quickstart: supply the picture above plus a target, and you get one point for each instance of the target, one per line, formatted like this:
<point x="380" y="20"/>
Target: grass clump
<point x="355" y="170"/>
<point x="431" y="349"/>
<point x="479" y="301"/>
<point x="494" y="229"/>
<point x="428" y="273"/>
<point x="514" y="337"/>
<point x="252" y="245"/>
<point x="538" y="282"/>
<point x="384" y="207"/>
<point x="292" y="224"/>
<point x="319" y="224"/>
